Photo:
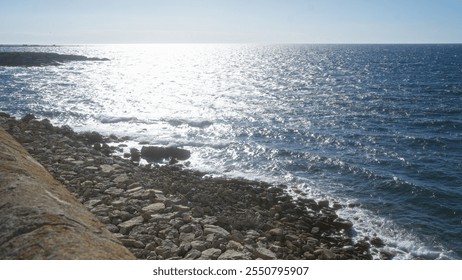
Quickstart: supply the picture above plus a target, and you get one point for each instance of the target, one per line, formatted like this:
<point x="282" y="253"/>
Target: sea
<point x="376" y="128"/>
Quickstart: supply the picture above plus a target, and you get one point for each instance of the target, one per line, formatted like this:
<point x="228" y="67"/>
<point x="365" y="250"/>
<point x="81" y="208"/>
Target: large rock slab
<point x="40" y="219"/>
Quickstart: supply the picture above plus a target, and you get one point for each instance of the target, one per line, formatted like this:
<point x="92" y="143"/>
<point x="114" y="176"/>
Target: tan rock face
<point x="40" y="219"/>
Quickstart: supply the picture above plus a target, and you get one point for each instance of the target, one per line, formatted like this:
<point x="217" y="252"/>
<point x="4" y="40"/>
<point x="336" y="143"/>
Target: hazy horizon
<point x="48" y="22"/>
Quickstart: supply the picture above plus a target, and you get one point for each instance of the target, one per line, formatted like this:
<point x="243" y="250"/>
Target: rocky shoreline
<point x="168" y="212"/>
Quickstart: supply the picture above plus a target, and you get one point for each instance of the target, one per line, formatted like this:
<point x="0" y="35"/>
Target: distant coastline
<point x="41" y="58"/>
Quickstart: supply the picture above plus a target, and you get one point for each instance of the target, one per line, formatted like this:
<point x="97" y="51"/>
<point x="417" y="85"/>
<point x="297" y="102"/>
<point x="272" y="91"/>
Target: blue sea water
<point x="375" y="127"/>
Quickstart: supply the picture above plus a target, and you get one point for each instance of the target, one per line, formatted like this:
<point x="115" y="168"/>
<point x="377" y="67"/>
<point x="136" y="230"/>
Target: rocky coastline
<point x="168" y="212"/>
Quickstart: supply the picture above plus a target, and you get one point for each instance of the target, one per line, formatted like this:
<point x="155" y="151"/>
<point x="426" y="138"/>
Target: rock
<point x="153" y="208"/>
<point x="122" y="178"/>
<point x="215" y="229"/>
<point x="114" y="191"/>
<point x="315" y="230"/>
<point x="377" y="242"/>
<point x="210" y="254"/>
<point x="342" y="224"/>
<point x="276" y="232"/>
<point x="132" y="243"/>
<point x="233" y="245"/>
<point x="126" y="226"/>
<point x="325" y="254"/>
<point x="27" y="118"/>
<point x="159" y="153"/>
<point x="199" y="245"/>
<point x="193" y="254"/>
<point x="233" y="255"/>
<point x="323" y="203"/>
<point x="92" y="137"/>
<point x="135" y="154"/>
<point x="186" y="237"/>
<point x="106" y="168"/>
<point x="265" y="254"/>
<point x="309" y="256"/>
<point x="41" y="219"/>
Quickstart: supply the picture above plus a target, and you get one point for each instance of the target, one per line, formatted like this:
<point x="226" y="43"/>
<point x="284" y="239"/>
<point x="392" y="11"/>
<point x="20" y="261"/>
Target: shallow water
<point x="377" y="126"/>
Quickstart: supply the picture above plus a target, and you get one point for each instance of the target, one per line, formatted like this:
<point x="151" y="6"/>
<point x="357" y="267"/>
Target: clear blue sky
<point x="230" y="21"/>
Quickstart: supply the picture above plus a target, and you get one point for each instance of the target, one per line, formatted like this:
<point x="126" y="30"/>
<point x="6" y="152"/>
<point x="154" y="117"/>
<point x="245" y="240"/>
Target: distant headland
<point x="41" y="58"/>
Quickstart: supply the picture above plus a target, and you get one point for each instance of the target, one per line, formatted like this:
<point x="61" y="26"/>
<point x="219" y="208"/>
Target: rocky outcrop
<point x="40" y="58"/>
<point x="40" y="219"/>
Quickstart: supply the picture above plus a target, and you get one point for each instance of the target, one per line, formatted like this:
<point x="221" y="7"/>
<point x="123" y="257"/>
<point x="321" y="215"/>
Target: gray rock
<point x="233" y="245"/>
<point x="216" y="229"/>
<point x="106" y="168"/>
<point x="193" y="254"/>
<point x="210" y="254"/>
<point x="122" y="178"/>
<point x="186" y="237"/>
<point x="132" y="243"/>
<point x="199" y="245"/>
<point x="265" y="254"/>
<point x="154" y="208"/>
<point x="325" y="254"/>
<point x="278" y="232"/>
<point x="126" y="226"/>
<point x="233" y="255"/>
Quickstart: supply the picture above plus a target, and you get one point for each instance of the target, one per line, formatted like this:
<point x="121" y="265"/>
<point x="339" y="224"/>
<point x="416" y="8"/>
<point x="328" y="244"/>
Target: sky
<point x="229" y="21"/>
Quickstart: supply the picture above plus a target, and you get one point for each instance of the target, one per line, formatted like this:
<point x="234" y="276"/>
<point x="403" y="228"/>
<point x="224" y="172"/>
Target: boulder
<point x="160" y="153"/>
<point x="40" y="219"/>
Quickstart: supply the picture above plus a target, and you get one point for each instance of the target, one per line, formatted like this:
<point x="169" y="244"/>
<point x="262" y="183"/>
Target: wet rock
<point x="159" y="153"/>
<point x="377" y="242"/>
<point x="134" y="155"/>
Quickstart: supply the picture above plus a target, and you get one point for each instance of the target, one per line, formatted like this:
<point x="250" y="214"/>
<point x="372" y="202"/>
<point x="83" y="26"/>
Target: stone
<point x="187" y="237"/>
<point x="309" y="256"/>
<point x="114" y="191"/>
<point x="325" y="254"/>
<point x="134" y="154"/>
<point x="199" y="245"/>
<point x="233" y="245"/>
<point x="122" y="178"/>
<point x="132" y="243"/>
<point x="377" y="242"/>
<point x="215" y="229"/>
<point x="265" y="254"/>
<point x="193" y="254"/>
<point x="278" y="232"/>
<point x="106" y="168"/>
<point x="159" y="153"/>
<point x="233" y="255"/>
<point x="210" y="254"/>
<point x="187" y="228"/>
<point x="126" y="226"/>
<point x="154" y="208"/>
